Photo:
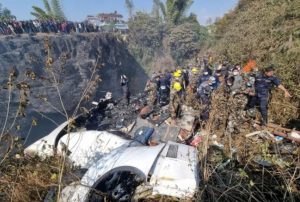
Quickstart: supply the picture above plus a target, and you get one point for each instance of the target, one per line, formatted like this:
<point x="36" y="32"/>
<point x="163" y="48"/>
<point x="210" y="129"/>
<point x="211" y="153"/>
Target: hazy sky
<point x="77" y="10"/>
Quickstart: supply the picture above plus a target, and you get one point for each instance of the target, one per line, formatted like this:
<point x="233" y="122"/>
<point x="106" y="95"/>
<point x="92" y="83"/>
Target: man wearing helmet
<point x="191" y="91"/>
<point x="195" y="73"/>
<point x="176" y="96"/>
<point x="178" y="77"/>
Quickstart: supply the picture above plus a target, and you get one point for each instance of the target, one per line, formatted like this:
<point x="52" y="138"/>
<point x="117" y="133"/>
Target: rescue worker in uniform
<point x="205" y="75"/>
<point x="238" y="80"/>
<point x="219" y="100"/>
<point x="185" y="77"/>
<point x="263" y="85"/>
<point x="204" y="92"/>
<point x="125" y="89"/>
<point x="194" y="78"/>
<point x="178" y="77"/>
<point x="176" y="96"/>
<point x="191" y="97"/>
<point x="168" y="77"/>
<point x="151" y="90"/>
<point x="237" y="102"/>
<point x="164" y="90"/>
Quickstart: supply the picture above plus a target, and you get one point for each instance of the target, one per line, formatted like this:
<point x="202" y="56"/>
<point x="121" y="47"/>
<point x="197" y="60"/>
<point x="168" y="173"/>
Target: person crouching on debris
<point x="176" y="96"/>
<point x="104" y="102"/>
<point x="263" y="85"/>
<point x="125" y="89"/>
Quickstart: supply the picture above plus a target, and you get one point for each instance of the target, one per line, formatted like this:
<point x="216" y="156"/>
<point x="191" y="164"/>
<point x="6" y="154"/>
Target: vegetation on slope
<point x="269" y="32"/>
<point x="168" y="35"/>
<point x="258" y="169"/>
<point x="264" y="30"/>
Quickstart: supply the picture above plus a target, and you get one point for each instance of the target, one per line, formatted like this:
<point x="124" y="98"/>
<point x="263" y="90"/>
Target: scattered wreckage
<point x="134" y="152"/>
<point x="126" y="158"/>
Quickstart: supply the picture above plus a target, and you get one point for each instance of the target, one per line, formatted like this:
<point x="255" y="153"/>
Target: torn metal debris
<point x="124" y="155"/>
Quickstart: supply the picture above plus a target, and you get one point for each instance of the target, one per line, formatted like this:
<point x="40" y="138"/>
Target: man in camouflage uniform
<point x="219" y="100"/>
<point x="176" y="96"/>
<point x="151" y="90"/>
<point x="204" y="92"/>
<point x="194" y="78"/>
<point x="237" y="103"/>
<point x="191" y="92"/>
<point x="178" y="77"/>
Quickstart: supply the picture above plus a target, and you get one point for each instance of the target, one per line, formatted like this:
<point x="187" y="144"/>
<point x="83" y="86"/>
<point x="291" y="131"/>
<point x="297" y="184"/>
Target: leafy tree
<point x="146" y="35"/>
<point x="185" y="40"/>
<point x="176" y="38"/>
<point x="192" y="18"/>
<point x="54" y="11"/>
<point x="40" y="13"/>
<point x="174" y="11"/>
<point x="130" y="6"/>
<point x="156" y="8"/>
<point x="5" y="14"/>
<point x="57" y="10"/>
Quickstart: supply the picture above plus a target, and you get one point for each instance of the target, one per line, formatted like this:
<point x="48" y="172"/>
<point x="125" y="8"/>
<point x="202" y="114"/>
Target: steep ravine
<point x="25" y="53"/>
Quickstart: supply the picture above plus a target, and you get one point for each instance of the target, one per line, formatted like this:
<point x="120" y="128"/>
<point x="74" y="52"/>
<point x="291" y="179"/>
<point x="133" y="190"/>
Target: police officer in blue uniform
<point x="263" y="84"/>
<point x="164" y="90"/>
<point x="204" y="92"/>
<point x="204" y="76"/>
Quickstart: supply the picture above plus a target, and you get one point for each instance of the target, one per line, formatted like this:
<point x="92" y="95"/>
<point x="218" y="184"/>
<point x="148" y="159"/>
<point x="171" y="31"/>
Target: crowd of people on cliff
<point x="45" y="26"/>
<point x="234" y="91"/>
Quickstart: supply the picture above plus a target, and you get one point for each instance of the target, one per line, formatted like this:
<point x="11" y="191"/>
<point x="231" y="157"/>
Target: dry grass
<point x="27" y="179"/>
<point x="30" y="179"/>
<point x="241" y="178"/>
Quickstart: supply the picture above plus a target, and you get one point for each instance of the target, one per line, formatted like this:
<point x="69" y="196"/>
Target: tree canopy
<point x="5" y="14"/>
<point x="129" y="5"/>
<point x="174" y="11"/>
<point x="167" y="33"/>
<point x="53" y="11"/>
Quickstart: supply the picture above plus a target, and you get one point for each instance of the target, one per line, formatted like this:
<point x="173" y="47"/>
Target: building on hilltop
<point x="110" y="17"/>
<point x="105" y="18"/>
<point x="108" y="21"/>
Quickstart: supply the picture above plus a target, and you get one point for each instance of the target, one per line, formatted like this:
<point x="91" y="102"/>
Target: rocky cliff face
<point x="75" y="57"/>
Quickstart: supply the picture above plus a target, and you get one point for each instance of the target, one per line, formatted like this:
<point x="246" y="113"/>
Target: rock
<point x="78" y="54"/>
<point x="263" y="162"/>
<point x="196" y="140"/>
<point x="184" y="134"/>
<point x="188" y="118"/>
<point x="295" y="135"/>
<point x="145" y="112"/>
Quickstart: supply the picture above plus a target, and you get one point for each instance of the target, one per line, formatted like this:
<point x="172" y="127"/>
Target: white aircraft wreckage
<point x="126" y="162"/>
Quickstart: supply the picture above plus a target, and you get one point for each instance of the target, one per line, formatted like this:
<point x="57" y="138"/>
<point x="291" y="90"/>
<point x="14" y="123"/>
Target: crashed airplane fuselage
<point x="123" y="168"/>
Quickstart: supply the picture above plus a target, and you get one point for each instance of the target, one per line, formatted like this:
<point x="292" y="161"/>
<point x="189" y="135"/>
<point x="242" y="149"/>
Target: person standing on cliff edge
<point x="125" y="89"/>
